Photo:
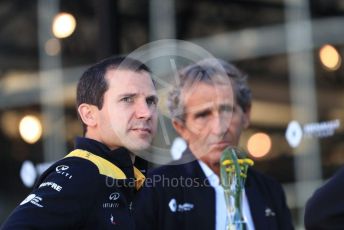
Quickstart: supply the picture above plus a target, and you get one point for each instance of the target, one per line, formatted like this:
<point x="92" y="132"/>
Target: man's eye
<point x="202" y="114"/>
<point x="228" y="109"/>
<point x="151" y="101"/>
<point x="127" y="99"/>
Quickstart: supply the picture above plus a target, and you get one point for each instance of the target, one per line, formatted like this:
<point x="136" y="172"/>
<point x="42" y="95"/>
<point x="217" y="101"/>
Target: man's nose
<point x="219" y="125"/>
<point x="143" y="111"/>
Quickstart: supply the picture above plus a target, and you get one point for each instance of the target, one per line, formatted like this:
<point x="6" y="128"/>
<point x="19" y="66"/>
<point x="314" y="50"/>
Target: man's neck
<point x="215" y="168"/>
<point x="132" y="157"/>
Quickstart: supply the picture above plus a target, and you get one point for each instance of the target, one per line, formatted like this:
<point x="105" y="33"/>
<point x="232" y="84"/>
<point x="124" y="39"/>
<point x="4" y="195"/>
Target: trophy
<point x="234" y="165"/>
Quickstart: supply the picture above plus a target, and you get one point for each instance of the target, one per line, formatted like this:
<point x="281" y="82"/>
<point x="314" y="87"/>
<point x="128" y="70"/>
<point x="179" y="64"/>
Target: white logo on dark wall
<point x="295" y="132"/>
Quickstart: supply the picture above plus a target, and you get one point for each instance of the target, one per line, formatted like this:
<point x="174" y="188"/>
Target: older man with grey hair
<point x="210" y="107"/>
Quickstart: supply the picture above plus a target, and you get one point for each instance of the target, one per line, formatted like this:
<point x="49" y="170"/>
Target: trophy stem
<point x="233" y="176"/>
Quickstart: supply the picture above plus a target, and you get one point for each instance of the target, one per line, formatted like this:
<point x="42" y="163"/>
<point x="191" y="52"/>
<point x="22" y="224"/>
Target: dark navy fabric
<point x="72" y="194"/>
<point x="325" y="209"/>
<point x="180" y="197"/>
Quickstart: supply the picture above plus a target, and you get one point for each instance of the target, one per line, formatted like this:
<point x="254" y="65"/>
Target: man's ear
<point x="247" y="117"/>
<point x="180" y="128"/>
<point x="88" y="114"/>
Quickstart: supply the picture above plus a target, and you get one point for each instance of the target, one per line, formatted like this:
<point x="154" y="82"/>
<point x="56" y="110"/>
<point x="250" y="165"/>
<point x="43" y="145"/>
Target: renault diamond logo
<point x="173" y="205"/>
<point x="294" y="134"/>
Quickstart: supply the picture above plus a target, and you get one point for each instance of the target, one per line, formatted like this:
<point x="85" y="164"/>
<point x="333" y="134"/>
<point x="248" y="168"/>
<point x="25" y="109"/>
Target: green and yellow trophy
<point x="234" y="165"/>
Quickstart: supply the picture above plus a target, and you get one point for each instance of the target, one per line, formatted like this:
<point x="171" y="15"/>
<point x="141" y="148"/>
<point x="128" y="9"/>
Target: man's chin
<point x="216" y="157"/>
<point x="139" y="146"/>
<point x="219" y="148"/>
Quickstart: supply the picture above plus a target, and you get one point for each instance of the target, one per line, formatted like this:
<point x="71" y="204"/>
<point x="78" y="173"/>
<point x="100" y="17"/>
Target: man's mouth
<point x="221" y="144"/>
<point x="142" y="130"/>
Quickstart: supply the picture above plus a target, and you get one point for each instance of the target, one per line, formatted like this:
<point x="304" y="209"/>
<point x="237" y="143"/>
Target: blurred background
<point x="291" y="49"/>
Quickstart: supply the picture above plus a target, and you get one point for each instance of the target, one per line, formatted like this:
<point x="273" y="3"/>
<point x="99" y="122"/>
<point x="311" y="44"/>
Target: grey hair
<point x="209" y="71"/>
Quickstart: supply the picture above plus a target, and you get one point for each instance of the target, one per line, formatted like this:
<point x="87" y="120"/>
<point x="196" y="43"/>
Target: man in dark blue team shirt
<point x="93" y="186"/>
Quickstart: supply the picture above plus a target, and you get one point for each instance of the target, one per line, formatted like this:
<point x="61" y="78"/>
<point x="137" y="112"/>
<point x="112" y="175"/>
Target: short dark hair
<point x="92" y="85"/>
<point x="209" y="71"/>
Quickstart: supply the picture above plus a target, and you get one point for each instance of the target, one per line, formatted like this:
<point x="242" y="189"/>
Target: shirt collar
<point x="210" y="175"/>
<point x="120" y="156"/>
<point x="91" y="145"/>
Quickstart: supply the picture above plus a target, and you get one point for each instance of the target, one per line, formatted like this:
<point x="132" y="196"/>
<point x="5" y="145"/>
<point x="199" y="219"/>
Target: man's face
<point x="128" y="117"/>
<point x="213" y="121"/>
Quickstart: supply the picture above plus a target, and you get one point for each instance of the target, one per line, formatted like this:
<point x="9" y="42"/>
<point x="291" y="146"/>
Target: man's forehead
<point x="205" y="106"/>
<point x="125" y="73"/>
<point x="129" y="77"/>
<point x="130" y="82"/>
<point x="207" y="97"/>
<point x="207" y="92"/>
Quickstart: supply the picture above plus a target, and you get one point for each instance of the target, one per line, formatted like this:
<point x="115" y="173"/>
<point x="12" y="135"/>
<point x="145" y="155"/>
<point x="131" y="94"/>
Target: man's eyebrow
<point x="127" y="95"/>
<point x="150" y="97"/>
<point x="201" y="107"/>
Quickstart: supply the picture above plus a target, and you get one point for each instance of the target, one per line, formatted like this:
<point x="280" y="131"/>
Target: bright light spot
<point x="259" y="145"/>
<point x="28" y="173"/>
<point x="329" y="57"/>
<point x="63" y="25"/>
<point x="178" y="147"/>
<point x="30" y="129"/>
<point x="52" y="47"/>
